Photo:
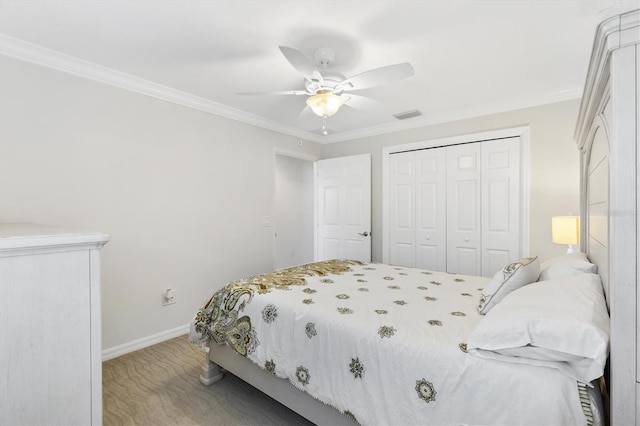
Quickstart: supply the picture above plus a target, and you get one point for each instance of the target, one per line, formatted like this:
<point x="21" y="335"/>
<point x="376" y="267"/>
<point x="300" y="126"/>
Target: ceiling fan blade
<point x="361" y="103"/>
<point x="377" y="77"/>
<point x="306" y="113"/>
<point x="299" y="61"/>
<point x="281" y="92"/>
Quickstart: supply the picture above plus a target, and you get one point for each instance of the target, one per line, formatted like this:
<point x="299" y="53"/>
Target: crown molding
<point x="29" y="52"/>
<point x="445" y="117"/>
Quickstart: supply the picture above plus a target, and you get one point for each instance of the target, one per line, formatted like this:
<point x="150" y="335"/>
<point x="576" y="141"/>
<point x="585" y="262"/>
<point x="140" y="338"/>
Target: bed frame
<point x="607" y="136"/>
<point x="279" y="389"/>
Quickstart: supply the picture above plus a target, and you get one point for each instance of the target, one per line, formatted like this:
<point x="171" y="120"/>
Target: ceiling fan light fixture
<point x="325" y="103"/>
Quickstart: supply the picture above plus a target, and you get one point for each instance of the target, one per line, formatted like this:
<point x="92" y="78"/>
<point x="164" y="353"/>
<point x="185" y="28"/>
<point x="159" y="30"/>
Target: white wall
<point x="555" y="164"/>
<point x="181" y="192"/>
<point x="293" y="212"/>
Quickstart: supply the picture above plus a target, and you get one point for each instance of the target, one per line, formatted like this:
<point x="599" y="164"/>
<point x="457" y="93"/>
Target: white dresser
<point x="50" y="337"/>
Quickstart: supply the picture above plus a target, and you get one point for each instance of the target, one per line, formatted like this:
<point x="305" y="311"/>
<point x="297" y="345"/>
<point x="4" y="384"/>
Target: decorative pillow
<point x="511" y="277"/>
<point x="561" y="324"/>
<point x="566" y="265"/>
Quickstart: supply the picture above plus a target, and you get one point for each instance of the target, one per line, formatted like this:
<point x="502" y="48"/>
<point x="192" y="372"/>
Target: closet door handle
<point x="466" y="239"/>
<point x="364" y="234"/>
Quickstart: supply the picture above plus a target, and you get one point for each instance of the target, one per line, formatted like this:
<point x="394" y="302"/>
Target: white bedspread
<point x="386" y="346"/>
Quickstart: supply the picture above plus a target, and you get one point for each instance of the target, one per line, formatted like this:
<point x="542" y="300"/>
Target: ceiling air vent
<point x="407" y="114"/>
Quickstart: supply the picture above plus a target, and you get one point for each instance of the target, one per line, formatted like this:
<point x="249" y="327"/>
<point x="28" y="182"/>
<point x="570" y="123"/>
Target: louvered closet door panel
<point x="464" y="209"/>
<point x="431" y="226"/>
<point x="402" y="230"/>
<point x="500" y="204"/>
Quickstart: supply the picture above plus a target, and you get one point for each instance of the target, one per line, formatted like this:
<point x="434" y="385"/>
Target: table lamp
<point x="566" y="230"/>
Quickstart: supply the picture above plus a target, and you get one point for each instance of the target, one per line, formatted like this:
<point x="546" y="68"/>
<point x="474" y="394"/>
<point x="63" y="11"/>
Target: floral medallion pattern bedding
<point x="383" y="345"/>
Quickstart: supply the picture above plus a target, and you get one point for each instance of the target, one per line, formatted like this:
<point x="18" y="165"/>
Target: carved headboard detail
<point x="595" y="190"/>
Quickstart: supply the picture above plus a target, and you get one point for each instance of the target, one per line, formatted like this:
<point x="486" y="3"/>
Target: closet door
<point x="431" y="218"/>
<point x="402" y="230"/>
<point x="456" y="208"/>
<point x="500" y="204"/>
<point x="464" y="209"/>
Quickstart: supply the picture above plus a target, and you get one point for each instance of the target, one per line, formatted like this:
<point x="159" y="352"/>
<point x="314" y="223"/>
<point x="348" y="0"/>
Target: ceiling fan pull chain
<point x="324" y="125"/>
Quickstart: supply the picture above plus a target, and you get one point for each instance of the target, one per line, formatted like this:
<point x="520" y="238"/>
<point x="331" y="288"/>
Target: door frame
<point x="300" y="156"/>
<point x="523" y="132"/>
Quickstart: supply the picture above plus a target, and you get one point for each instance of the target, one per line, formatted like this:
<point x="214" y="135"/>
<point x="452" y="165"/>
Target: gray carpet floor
<point x="159" y="385"/>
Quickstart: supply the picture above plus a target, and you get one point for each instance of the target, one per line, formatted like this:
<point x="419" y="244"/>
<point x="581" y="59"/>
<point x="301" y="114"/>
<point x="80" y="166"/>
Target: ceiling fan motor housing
<point x="330" y="81"/>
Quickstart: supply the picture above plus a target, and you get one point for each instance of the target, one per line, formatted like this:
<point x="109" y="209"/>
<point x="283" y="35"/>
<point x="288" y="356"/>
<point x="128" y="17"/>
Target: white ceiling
<point x="470" y="57"/>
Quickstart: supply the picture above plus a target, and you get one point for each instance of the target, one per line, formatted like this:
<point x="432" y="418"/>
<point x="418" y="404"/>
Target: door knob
<point x="427" y="237"/>
<point x="466" y="239"/>
<point x="364" y="234"/>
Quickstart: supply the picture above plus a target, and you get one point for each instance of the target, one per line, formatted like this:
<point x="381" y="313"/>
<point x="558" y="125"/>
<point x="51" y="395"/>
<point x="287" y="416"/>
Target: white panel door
<point x="500" y="204"/>
<point x="431" y="218"/>
<point x="464" y="209"/>
<point x="402" y="230"/>
<point x="343" y="209"/>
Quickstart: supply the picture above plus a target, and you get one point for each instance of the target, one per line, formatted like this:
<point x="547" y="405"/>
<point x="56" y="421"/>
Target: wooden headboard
<point x="607" y="136"/>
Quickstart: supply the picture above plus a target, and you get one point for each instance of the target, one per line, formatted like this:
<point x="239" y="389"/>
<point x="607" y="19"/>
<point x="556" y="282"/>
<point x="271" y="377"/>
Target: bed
<point x="460" y="378"/>
<point x="350" y="335"/>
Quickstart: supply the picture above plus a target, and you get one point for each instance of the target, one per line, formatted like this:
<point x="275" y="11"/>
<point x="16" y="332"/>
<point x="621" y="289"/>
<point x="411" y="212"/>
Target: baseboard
<point x="137" y="344"/>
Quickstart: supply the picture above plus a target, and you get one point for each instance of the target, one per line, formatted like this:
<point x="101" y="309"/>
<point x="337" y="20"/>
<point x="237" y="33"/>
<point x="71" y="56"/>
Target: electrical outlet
<point x="168" y="297"/>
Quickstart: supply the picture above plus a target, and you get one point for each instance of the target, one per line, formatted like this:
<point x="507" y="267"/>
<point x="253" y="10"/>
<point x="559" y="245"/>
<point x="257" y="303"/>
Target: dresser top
<point x="25" y="235"/>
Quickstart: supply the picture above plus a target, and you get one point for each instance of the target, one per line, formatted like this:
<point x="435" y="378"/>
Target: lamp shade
<point x="565" y="229"/>
<point x="325" y="103"/>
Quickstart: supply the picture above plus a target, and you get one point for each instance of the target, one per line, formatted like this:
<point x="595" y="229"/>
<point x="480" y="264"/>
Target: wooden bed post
<point x="211" y="372"/>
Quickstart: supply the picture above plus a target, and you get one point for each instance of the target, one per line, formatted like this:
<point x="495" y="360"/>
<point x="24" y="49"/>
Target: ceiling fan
<point x="328" y="90"/>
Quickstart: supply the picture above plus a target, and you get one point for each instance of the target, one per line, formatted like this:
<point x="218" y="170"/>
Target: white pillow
<point x="510" y="278"/>
<point x="566" y="265"/>
<point x="560" y="324"/>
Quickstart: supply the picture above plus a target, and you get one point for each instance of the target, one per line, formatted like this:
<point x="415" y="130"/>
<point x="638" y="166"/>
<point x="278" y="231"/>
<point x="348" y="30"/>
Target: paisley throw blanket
<point x="383" y="345"/>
